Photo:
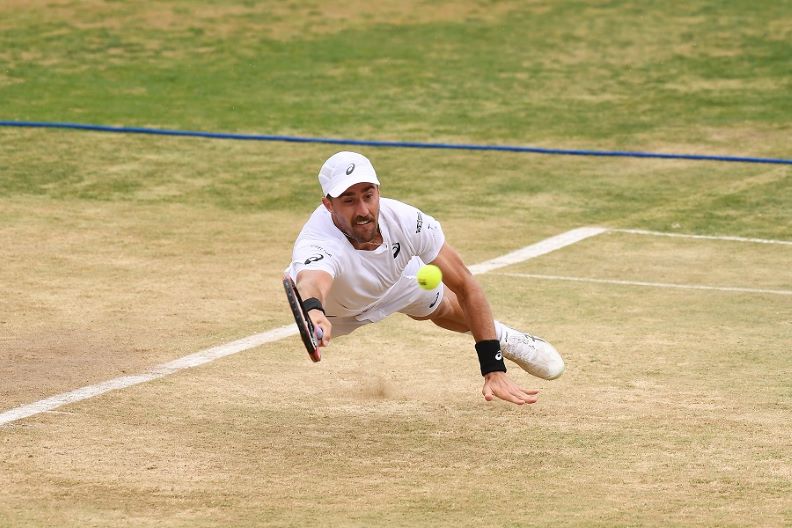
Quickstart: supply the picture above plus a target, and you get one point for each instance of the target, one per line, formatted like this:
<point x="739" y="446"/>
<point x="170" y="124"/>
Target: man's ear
<point x="327" y="203"/>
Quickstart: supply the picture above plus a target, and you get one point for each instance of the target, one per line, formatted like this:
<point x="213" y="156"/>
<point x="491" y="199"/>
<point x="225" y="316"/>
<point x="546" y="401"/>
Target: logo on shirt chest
<point x="395" y="247"/>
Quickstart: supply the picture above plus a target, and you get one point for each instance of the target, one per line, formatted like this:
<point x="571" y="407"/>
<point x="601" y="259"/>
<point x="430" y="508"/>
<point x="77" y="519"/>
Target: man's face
<point x="356" y="212"/>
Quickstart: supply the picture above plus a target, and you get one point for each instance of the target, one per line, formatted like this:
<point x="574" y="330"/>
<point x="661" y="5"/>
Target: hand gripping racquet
<point x="310" y="335"/>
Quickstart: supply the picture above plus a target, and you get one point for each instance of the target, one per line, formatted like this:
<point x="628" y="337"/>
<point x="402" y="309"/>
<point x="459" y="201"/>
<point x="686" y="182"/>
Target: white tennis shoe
<point x="534" y="355"/>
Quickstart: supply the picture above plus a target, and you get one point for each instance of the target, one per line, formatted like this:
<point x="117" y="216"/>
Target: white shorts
<point x="404" y="297"/>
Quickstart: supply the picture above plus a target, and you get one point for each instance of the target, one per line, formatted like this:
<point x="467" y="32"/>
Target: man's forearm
<point x="314" y="284"/>
<point x="477" y="311"/>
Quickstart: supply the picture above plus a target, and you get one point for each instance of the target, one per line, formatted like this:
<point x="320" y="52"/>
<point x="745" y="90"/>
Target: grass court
<point x="124" y="252"/>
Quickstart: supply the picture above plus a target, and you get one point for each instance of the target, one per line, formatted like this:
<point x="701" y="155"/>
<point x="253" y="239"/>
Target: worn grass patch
<point x="96" y="290"/>
<point x="666" y="416"/>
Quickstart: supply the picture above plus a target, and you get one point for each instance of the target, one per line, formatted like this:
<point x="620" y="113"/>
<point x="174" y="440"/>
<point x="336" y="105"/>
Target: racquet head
<point x="310" y="335"/>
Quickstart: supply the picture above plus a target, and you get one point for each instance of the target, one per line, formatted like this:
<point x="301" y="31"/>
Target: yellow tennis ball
<point x="429" y="277"/>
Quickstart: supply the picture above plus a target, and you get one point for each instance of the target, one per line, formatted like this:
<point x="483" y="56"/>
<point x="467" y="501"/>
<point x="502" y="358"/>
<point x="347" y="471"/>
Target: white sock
<point x="499" y="330"/>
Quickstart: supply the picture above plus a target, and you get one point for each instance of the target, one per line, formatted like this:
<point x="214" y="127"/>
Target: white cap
<point x="343" y="170"/>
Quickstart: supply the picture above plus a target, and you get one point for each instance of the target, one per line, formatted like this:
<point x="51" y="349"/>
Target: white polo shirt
<point x="362" y="278"/>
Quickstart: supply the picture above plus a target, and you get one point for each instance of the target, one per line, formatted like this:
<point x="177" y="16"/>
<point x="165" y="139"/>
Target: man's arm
<point x="456" y="276"/>
<point x="478" y="316"/>
<point x="316" y="284"/>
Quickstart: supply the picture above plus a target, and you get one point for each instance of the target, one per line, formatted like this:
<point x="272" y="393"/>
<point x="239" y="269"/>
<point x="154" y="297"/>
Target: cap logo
<point x="350" y="169"/>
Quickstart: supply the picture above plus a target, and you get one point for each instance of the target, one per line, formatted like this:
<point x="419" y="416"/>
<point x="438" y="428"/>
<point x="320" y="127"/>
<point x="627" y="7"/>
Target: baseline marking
<point x="702" y="237"/>
<point x="643" y="283"/>
<point x="210" y="354"/>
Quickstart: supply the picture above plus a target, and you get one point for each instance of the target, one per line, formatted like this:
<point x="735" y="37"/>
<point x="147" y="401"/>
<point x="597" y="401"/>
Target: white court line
<point x="643" y="283"/>
<point x="246" y="343"/>
<point x="536" y="250"/>
<point x="160" y="371"/>
<point x="702" y="237"/>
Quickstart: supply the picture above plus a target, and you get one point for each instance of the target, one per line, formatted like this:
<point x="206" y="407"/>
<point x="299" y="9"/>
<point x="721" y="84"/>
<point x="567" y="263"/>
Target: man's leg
<point x="533" y="354"/>
<point x="448" y="315"/>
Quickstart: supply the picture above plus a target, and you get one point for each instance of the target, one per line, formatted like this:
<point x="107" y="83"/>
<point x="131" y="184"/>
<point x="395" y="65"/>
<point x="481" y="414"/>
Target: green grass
<point x="570" y="73"/>
<point x="707" y="198"/>
<point x="701" y="77"/>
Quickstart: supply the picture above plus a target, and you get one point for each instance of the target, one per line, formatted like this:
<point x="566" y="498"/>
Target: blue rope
<point x="400" y="144"/>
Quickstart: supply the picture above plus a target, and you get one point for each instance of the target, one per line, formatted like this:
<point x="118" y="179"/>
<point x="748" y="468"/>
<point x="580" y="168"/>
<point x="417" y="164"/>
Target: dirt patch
<point x="643" y="415"/>
<point x="87" y="295"/>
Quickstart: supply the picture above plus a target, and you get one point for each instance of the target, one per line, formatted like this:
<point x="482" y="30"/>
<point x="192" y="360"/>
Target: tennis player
<point x="355" y="260"/>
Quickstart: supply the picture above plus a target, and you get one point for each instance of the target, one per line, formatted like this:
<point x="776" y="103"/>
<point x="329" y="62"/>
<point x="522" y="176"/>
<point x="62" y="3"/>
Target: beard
<point x="363" y="233"/>
<point x="357" y="233"/>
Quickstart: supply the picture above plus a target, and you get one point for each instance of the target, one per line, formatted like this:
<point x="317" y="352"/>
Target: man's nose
<point x="362" y="209"/>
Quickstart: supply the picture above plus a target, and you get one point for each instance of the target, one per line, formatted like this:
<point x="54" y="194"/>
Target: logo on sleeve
<point x="315" y="258"/>
<point x="396" y="247"/>
<point x="419" y="225"/>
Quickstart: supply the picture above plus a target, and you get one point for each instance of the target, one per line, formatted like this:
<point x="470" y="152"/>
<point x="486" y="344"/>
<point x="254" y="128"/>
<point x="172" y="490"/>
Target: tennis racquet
<point x="310" y="335"/>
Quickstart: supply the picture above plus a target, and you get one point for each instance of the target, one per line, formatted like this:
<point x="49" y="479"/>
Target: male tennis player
<point x="355" y="260"/>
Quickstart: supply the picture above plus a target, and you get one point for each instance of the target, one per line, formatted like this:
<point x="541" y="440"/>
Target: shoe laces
<point x="518" y="337"/>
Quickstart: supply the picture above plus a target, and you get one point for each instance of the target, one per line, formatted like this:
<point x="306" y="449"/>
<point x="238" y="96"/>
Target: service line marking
<point x="536" y="250"/>
<point x="702" y="237"/>
<point x="211" y="354"/>
<point x="643" y="283"/>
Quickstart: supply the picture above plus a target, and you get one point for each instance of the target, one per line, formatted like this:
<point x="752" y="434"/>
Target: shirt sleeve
<point x="313" y="256"/>
<point x="429" y="237"/>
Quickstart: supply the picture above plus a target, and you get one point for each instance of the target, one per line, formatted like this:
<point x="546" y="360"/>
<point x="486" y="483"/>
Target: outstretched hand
<point x="498" y="385"/>
<point x="321" y="322"/>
